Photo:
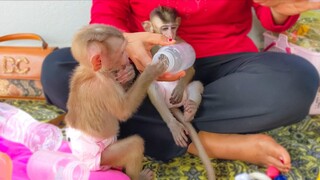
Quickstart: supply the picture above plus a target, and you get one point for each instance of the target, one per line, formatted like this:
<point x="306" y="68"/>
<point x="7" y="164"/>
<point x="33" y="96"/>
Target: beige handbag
<point x="20" y="68"/>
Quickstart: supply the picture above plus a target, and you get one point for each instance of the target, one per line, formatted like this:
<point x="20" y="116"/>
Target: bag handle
<point x="281" y="42"/>
<point x="21" y="36"/>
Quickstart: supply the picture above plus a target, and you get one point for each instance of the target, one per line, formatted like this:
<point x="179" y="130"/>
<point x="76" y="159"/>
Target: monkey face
<point x="169" y="30"/>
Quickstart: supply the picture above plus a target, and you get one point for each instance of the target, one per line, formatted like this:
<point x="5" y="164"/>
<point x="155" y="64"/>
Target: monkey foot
<point x="190" y="109"/>
<point x="146" y="174"/>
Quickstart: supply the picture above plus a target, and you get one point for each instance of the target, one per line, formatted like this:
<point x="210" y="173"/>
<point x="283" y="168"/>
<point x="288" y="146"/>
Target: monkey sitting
<point x="168" y="96"/>
<point x="97" y="102"/>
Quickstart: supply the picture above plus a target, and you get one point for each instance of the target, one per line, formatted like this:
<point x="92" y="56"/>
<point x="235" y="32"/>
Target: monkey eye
<point x="169" y="27"/>
<point x="174" y="27"/>
<point x="164" y="28"/>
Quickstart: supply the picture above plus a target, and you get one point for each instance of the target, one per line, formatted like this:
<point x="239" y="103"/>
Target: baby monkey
<point x="98" y="102"/>
<point x="167" y="97"/>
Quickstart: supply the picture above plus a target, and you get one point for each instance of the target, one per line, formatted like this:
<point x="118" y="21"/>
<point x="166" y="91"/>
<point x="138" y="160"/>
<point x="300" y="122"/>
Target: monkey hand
<point x="177" y="94"/>
<point x="190" y="110"/>
<point x="179" y="132"/>
<point x="155" y="69"/>
<point x="126" y="74"/>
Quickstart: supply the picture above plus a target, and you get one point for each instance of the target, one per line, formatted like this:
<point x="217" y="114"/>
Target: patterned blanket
<point x="302" y="140"/>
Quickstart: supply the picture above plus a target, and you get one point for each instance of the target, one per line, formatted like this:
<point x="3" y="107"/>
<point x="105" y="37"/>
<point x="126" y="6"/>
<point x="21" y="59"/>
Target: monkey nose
<point x="170" y="38"/>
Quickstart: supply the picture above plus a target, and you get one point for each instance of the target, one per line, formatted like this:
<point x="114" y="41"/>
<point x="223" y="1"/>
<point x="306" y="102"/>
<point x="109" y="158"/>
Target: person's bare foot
<point x="258" y="149"/>
<point x="146" y="174"/>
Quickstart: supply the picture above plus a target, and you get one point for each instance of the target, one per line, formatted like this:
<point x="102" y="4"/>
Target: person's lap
<point x="256" y="92"/>
<point x="56" y="72"/>
<point x="244" y="93"/>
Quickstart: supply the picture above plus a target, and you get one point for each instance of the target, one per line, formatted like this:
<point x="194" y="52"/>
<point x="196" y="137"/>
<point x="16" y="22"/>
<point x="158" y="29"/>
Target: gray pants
<point x="244" y="93"/>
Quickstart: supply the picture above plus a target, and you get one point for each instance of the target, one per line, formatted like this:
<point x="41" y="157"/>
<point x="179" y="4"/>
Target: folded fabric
<point x="20" y="156"/>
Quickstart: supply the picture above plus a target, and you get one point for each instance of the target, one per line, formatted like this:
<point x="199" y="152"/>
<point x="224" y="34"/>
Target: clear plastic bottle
<point x="18" y="126"/>
<point x="54" y="165"/>
<point x="179" y="56"/>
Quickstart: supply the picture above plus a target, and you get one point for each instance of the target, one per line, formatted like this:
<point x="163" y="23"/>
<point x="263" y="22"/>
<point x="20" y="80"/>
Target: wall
<point x="56" y="21"/>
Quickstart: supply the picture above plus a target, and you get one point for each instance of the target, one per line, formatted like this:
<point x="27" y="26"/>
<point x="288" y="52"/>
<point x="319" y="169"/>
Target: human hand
<point x="139" y="50"/>
<point x="290" y="7"/>
<point x="171" y="77"/>
<point x="140" y="44"/>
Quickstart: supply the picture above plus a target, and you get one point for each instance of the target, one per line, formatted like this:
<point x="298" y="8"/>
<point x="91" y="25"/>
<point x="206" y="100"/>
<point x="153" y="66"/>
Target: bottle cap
<point x="76" y="170"/>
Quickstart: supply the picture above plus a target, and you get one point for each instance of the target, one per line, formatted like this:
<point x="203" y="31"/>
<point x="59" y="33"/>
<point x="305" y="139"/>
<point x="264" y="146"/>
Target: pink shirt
<point x="212" y="27"/>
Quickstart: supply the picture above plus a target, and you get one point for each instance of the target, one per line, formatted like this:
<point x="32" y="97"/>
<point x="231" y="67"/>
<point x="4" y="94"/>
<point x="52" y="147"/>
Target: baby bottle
<point x="52" y="165"/>
<point x="18" y="126"/>
<point x="5" y="167"/>
<point x="179" y="56"/>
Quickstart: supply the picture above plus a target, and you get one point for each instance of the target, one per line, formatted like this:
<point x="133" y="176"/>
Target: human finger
<point x="270" y="3"/>
<point x="301" y="6"/>
<point x="148" y="38"/>
<point x="171" y="77"/>
<point x="159" y="39"/>
<point x="312" y="5"/>
<point x="139" y="56"/>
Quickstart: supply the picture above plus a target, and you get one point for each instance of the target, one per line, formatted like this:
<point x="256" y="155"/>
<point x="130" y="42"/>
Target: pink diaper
<point x="88" y="149"/>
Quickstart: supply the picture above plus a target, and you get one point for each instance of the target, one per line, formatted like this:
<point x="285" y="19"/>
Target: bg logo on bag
<point x="15" y="65"/>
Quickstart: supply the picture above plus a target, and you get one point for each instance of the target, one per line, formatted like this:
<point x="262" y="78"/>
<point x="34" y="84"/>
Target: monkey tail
<point x="195" y="139"/>
<point x="202" y="152"/>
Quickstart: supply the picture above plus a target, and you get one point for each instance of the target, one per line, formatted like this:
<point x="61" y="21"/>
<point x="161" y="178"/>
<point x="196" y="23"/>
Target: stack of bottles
<point x="44" y="140"/>
<point x="51" y="165"/>
<point x="18" y="126"/>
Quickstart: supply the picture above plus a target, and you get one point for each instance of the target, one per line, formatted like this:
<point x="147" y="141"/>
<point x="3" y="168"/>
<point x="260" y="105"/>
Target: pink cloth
<point x="20" y="156"/>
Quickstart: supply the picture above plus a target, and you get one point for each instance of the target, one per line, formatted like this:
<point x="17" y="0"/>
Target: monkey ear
<point x="96" y="62"/>
<point x="147" y="26"/>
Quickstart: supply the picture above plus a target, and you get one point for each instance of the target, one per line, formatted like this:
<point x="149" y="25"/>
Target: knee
<point x="137" y="144"/>
<point x="305" y="79"/>
<point x="55" y="74"/>
<point x="197" y="85"/>
<point x="299" y="88"/>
